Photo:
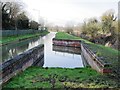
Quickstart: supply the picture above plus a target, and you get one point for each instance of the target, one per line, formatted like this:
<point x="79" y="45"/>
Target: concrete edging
<point x="21" y="62"/>
<point x="67" y="43"/>
<point x="89" y="56"/>
<point x="93" y="60"/>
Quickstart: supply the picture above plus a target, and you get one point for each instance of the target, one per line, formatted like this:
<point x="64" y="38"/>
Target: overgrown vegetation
<point x="106" y="54"/>
<point x="8" y="39"/>
<point x="64" y="78"/>
<point x="105" y="31"/>
<point x="14" y="17"/>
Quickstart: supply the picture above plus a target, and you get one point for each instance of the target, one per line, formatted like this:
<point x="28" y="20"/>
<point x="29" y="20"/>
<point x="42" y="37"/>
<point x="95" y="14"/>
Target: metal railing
<point x="18" y="32"/>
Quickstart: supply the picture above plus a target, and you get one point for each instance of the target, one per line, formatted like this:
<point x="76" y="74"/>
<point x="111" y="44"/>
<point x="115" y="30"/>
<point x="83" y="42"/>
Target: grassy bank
<point x="5" y="40"/>
<point x="66" y="36"/>
<point x="65" y="78"/>
<point x="36" y="77"/>
<point x="107" y="54"/>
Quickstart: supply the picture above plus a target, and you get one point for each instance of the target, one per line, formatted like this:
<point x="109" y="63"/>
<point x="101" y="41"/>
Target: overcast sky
<point x="60" y="12"/>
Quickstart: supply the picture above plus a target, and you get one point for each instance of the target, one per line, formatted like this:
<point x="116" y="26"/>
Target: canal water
<point x="54" y="56"/>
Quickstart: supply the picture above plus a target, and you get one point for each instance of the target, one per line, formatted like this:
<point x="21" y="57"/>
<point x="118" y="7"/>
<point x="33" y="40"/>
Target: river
<point x="54" y="56"/>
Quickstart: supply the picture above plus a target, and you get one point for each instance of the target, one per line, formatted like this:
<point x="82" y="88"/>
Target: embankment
<point x="32" y="57"/>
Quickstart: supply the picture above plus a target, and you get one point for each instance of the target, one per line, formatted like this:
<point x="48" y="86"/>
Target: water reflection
<point x="11" y="50"/>
<point x="70" y="50"/>
<point x="66" y="57"/>
<point x="60" y="59"/>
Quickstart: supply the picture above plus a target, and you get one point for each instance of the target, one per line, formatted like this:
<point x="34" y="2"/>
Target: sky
<point x="60" y="12"/>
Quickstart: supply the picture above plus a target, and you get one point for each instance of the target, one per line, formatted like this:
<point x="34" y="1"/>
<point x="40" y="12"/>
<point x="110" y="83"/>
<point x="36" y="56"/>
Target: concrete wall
<point x="71" y="50"/>
<point x="93" y="61"/>
<point x="10" y="68"/>
<point x="87" y="54"/>
<point x="69" y="43"/>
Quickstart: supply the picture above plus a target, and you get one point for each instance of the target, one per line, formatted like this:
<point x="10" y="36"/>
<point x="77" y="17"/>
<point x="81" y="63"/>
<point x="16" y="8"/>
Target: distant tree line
<point x="104" y="31"/>
<point x="14" y="17"/>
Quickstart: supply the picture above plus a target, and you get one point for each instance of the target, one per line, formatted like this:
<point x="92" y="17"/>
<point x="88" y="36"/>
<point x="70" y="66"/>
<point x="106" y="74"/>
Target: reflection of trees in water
<point x="36" y="42"/>
<point x="22" y="48"/>
<point x="10" y="53"/>
<point x="6" y="52"/>
<point x="11" y="50"/>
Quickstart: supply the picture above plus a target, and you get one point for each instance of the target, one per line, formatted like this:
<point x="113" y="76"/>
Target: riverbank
<point x="10" y="39"/>
<point x="63" y="78"/>
<point x="106" y="54"/>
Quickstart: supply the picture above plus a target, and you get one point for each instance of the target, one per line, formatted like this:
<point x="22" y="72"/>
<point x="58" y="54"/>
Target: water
<point x="54" y="56"/>
<point x="11" y="50"/>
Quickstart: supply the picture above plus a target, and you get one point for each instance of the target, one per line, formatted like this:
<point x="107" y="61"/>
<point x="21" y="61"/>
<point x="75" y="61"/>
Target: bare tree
<point x="10" y="10"/>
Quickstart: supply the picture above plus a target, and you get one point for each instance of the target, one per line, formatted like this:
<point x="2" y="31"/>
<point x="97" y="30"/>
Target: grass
<point x="5" y="40"/>
<point x="36" y="77"/>
<point x="65" y="78"/>
<point x="62" y="35"/>
<point x="108" y="54"/>
<point x="66" y="36"/>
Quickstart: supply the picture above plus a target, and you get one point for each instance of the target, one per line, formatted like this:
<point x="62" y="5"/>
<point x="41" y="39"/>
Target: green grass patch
<point x="5" y="40"/>
<point x="107" y="54"/>
<point x="62" y="35"/>
<point x="36" y="77"/>
<point x="66" y="36"/>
